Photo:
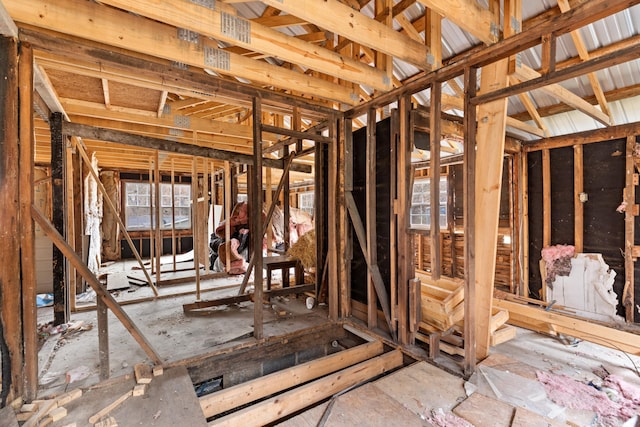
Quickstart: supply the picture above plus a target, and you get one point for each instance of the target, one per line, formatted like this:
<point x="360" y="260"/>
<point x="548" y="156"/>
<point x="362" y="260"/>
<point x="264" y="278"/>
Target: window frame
<point x="426" y="204"/>
<point x="182" y="192"/>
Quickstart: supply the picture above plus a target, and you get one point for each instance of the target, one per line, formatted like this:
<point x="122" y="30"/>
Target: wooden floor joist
<point x="292" y="401"/>
<point x="276" y="382"/>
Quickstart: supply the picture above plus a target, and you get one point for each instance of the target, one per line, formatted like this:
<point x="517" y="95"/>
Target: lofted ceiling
<point x="155" y="67"/>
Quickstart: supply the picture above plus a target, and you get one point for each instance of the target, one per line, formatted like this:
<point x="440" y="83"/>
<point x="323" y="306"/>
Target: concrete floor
<point x="173" y="335"/>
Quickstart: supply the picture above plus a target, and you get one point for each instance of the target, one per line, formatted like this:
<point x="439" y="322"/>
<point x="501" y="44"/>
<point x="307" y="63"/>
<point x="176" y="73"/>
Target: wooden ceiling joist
<point x="357" y="27"/>
<point x="172" y="121"/>
<point x="113" y="27"/>
<point x="469" y="16"/>
<point x="91" y="132"/>
<point x="85" y="57"/>
<point x="221" y="25"/>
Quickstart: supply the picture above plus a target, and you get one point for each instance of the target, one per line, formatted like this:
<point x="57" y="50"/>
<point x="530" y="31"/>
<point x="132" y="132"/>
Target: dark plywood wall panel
<point x="383" y="206"/>
<point x="562" y="209"/>
<point x="534" y="189"/>
<point x="604" y="181"/>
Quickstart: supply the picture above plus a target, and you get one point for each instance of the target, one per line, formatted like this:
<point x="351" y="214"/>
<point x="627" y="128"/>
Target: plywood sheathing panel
<point x="68" y="85"/>
<point x="124" y="95"/>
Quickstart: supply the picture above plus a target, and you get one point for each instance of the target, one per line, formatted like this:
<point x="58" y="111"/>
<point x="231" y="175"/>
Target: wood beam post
<point x="488" y="179"/>
<point x="628" y="295"/>
<point x="370" y="212"/>
<point x="27" y="230"/>
<point x="578" y="189"/>
<point x="256" y="219"/>
<point x="11" y="344"/>
<point x="60" y="291"/>
<point x="434" y="148"/>
<point x="405" y="247"/>
<point x="470" y="356"/>
<point x="344" y="170"/>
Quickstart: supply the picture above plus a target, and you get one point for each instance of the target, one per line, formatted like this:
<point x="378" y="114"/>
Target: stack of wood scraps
<point x="143" y="375"/>
<point x="45" y="412"/>
<point x="441" y="301"/>
<point x="442" y="309"/>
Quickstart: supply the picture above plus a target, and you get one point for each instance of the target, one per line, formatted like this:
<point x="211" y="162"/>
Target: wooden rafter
<point x="253" y="36"/>
<point x="357" y="27"/>
<point x="121" y="29"/>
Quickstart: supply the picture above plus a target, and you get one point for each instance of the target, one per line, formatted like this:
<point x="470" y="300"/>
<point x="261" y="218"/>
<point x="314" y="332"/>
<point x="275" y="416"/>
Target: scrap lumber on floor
<point x="549" y="322"/>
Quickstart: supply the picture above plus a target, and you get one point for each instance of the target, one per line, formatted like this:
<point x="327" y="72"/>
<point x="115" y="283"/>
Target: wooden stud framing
<point x="126" y="321"/>
<point x="103" y="337"/>
<point x="194" y="224"/>
<point x="157" y="237"/>
<point x="435" y="136"/>
<point x="256" y="219"/>
<point x="578" y="189"/>
<point x="546" y="201"/>
<point x="10" y="287"/>
<point x="83" y="153"/>
<point x="404" y="246"/>
<point x="470" y="356"/>
<point x="524" y="231"/>
<point x="342" y="158"/>
<point x="60" y="291"/>
<point x="628" y="295"/>
<point x="27" y="233"/>
<point x="371" y="218"/>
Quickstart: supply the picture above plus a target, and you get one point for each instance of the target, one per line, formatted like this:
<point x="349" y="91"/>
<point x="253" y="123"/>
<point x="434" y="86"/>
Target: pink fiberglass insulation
<point x="558" y="261"/>
<point x="552" y="253"/>
<point x="567" y="392"/>
<point x="439" y="418"/>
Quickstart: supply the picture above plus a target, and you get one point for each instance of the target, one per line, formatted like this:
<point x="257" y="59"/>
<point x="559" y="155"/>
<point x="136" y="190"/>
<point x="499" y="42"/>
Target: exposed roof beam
<point x="525" y="73"/>
<point x="469" y="16"/>
<point x="580" y="16"/>
<point x="458" y="103"/>
<point x="238" y="31"/>
<point x="356" y="26"/>
<point x="98" y="60"/>
<point x="613" y="95"/>
<point x="171" y="121"/>
<point x="583" y="53"/>
<point x="122" y="29"/>
<point x="186" y="136"/>
<point x="90" y="132"/>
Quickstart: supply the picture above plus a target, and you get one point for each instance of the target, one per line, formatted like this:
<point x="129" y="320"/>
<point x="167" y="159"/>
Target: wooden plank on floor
<point x="8" y="417"/>
<point x="276" y="382"/>
<point x="414" y="388"/>
<point x="170" y="401"/>
<point x="290" y="402"/>
<point x="525" y="418"/>
<point x="369" y="406"/>
<point x="483" y="411"/>
<point x="537" y="319"/>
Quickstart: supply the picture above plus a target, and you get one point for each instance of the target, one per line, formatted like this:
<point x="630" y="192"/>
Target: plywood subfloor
<point x="170" y="401"/>
<point x="403" y="398"/>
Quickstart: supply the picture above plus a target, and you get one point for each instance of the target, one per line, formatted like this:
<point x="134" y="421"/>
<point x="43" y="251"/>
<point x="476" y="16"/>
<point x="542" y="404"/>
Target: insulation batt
<point x="558" y="261"/>
<point x="566" y="391"/>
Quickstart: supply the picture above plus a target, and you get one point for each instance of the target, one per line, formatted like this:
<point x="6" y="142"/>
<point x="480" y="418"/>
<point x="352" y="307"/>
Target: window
<point x="140" y="196"/>
<point x="420" y="214"/>
<point x="306" y="201"/>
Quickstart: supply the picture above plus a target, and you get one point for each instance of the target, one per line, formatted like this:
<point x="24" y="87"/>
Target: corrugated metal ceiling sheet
<point x="601" y="33"/>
